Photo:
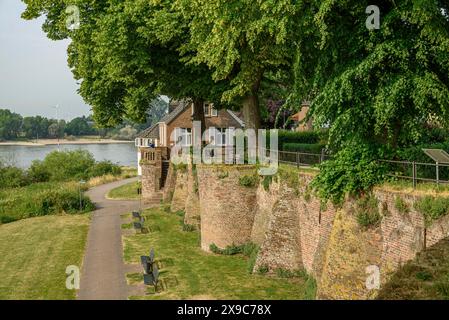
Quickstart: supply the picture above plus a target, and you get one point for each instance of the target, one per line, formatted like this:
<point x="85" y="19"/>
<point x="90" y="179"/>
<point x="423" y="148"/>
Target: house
<point x="177" y="124"/>
<point x="300" y="117"/>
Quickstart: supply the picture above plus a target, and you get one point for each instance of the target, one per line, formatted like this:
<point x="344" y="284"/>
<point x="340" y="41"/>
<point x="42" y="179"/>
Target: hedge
<point x="304" y="147"/>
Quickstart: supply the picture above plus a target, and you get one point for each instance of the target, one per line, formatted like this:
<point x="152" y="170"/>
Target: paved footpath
<point x="103" y="271"/>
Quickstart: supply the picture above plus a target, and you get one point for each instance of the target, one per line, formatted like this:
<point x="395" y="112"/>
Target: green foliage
<point x="263" y="269"/>
<point x="12" y="177"/>
<point x="247" y="249"/>
<point x="432" y="208"/>
<point x="62" y="166"/>
<point x="304" y="148"/>
<point x="103" y="168"/>
<point x="223" y="174"/>
<point x="248" y="181"/>
<point x="10" y="124"/>
<point x="181" y="167"/>
<point x="367" y="211"/>
<point x="352" y="170"/>
<point x="69" y="165"/>
<point x="188" y="228"/>
<point x="290" y="176"/>
<point x="401" y="205"/>
<point x="41" y="200"/>
<point x="266" y="182"/>
<point x="292" y="137"/>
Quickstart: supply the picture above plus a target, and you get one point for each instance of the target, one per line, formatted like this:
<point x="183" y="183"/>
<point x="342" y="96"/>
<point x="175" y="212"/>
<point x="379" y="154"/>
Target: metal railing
<point x="418" y="171"/>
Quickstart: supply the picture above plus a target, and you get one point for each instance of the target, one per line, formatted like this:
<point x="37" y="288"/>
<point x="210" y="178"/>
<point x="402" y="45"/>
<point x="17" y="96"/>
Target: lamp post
<point x="81" y="183"/>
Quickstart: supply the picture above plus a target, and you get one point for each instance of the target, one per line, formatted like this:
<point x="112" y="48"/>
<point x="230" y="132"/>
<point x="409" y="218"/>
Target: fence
<point x="418" y="171"/>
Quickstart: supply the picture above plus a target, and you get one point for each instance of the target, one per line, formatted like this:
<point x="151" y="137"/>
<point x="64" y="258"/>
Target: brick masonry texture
<point x="295" y="230"/>
<point x="180" y="193"/>
<point x="192" y="205"/>
<point x="227" y="208"/>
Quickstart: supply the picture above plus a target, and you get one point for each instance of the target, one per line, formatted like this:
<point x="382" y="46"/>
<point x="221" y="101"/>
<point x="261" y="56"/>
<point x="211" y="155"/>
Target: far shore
<point x="49" y="142"/>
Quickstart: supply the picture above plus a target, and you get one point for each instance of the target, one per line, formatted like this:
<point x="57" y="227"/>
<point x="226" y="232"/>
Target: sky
<point x="34" y="75"/>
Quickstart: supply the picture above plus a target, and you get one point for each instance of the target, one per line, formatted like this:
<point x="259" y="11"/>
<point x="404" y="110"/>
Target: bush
<point x="248" y="181"/>
<point x="401" y="205"/>
<point x="63" y="166"/>
<point x="315" y="148"/>
<point x="368" y="211"/>
<point x="352" y="170"/>
<point x="103" y="168"/>
<point x="12" y="177"/>
<point x="432" y="208"/>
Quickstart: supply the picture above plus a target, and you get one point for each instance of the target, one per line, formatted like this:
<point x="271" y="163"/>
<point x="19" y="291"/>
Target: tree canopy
<point x="376" y="89"/>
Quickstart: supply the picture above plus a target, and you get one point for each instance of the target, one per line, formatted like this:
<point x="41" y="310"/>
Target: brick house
<point x="177" y="124"/>
<point x="299" y="118"/>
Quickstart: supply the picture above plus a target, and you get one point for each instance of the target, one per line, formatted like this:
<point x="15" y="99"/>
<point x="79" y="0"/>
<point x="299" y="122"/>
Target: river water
<point x="124" y="154"/>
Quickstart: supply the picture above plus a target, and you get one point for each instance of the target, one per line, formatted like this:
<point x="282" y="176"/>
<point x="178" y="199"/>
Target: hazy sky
<point x="34" y="75"/>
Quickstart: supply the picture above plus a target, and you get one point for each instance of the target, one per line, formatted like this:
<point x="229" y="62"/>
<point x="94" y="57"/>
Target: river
<point x="123" y="154"/>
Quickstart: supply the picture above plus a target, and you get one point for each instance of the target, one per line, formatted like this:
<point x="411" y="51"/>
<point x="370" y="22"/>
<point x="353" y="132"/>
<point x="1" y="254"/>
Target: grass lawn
<point x="35" y="253"/>
<point x="126" y="192"/>
<point x="426" y="277"/>
<point x="187" y="272"/>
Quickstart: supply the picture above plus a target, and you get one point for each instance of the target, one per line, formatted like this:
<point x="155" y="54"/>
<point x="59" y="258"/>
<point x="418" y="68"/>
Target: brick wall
<point x="192" y="205"/>
<point x="296" y="230"/>
<point x="227" y="208"/>
<point x="180" y="193"/>
<point x="151" y="175"/>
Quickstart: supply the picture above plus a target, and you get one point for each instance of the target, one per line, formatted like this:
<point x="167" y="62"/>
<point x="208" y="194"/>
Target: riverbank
<point x="52" y="142"/>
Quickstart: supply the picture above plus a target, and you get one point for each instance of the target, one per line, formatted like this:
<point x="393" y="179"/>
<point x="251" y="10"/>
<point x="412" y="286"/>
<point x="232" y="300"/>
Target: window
<point x="219" y="136"/>
<point x="183" y="136"/>
<point x="209" y="110"/>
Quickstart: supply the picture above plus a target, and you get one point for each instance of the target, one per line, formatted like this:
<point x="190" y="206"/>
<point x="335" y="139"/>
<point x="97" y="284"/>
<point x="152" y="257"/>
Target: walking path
<point x="103" y="272"/>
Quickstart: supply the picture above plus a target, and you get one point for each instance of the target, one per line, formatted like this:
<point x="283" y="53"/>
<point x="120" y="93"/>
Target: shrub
<point x="368" y="211"/>
<point x="305" y="148"/>
<point x="432" y="208"/>
<point x="352" y="170"/>
<point x="266" y="182"/>
<point x="103" y="168"/>
<point x="188" y="228"/>
<point x="228" y="251"/>
<point x="309" y="137"/>
<point x="263" y="269"/>
<point x="12" y="177"/>
<point x="248" y="181"/>
<point x="401" y="205"/>
<point x="63" y="166"/>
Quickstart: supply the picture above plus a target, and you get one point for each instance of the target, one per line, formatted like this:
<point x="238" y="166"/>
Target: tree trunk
<point x="251" y="112"/>
<point x="198" y="113"/>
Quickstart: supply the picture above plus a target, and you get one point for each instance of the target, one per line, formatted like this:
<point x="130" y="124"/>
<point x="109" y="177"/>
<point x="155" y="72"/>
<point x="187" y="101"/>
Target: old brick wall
<point x="297" y="230"/>
<point x="151" y="175"/>
<point x="180" y="193"/>
<point x="192" y="206"/>
<point x="265" y="202"/>
<point x="170" y="183"/>
<point x="281" y="247"/>
<point x="227" y="208"/>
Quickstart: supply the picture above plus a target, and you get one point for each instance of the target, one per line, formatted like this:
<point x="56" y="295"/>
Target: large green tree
<point x="10" y="124"/>
<point x="241" y="41"/>
<point x="125" y="53"/>
<point x="375" y="89"/>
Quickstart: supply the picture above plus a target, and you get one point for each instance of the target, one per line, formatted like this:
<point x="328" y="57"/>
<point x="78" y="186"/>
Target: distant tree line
<point x="13" y="126"/>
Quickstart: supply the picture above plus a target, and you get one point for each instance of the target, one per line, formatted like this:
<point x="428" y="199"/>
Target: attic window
<point x="209" y="110"/>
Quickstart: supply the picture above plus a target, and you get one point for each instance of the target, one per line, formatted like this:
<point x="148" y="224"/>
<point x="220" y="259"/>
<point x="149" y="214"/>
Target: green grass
<point x="126" y="192"/>
<point x="426" y="277"/>
<point x="35" y="253"/>
<point x="41" y="199"/>
<point x="187" y="272"/>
